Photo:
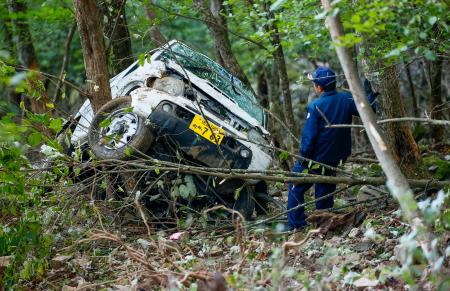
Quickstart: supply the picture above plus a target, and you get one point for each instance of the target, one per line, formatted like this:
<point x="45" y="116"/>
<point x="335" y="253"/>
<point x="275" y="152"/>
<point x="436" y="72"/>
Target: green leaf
<point x="283" y="155"/>
<point x="429" y="55"/>
<point x="275" y="6"/>
<point x="105" y="123"/>
<point x="56" y="124"/>
<point x="141" y="59"/>
<point x="446" y="219"/>
<point x="315" y="166"/>
<point x="157" y="171"/>
<point x="310" y="163"/>
<point x="34" y="138"/>
<point x="128" y="151"/>
<point x="237" y="193"/>
<point x="432" y="20"/>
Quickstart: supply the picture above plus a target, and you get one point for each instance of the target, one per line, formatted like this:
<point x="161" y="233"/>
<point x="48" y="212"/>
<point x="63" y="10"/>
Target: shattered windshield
<point x="207" y="69"/>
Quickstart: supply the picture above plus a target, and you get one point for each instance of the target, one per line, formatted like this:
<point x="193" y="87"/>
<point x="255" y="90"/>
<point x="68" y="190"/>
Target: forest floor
<point x="128" y="256"/>
<point x="113" y="245"/>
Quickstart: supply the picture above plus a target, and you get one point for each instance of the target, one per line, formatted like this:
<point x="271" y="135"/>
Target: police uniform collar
<point x="328" y="93"/>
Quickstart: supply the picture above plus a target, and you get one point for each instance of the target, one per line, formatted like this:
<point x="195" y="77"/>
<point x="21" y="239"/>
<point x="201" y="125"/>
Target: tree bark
<point x="8" y="44"/>
<point x="156" y="36"/>
<point x="90" y="27"/>
<point x="262" y="86"/>
<point x="65" y="62"/>
<point x="280" y="62"/>
<point x="6" y="26"/>
<point x="398" y="135"/>
<point x="116" y="30"/>
<point x="396" y="181"/>
<point x="412" y="91"/>
<point x="437" y="132"/>
<point x="217" y="24"/>
<point x="26" y="53"/>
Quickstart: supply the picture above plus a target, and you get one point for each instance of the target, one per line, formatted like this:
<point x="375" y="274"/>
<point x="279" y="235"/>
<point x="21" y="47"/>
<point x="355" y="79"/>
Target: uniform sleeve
<point x="310" y="131"/>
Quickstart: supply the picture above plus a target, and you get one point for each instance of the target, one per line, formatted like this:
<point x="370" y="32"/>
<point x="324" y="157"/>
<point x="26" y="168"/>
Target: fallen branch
<point x="399" y="119"/>
<point x="290" y="244"/>
<point x="281" y="176"/>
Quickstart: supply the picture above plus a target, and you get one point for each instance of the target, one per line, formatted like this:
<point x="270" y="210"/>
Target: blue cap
<point x="323" y="76"/>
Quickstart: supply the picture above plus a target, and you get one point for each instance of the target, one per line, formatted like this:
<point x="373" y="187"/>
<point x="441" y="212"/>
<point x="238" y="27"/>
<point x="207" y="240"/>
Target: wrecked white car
<point x="161" y="108"/>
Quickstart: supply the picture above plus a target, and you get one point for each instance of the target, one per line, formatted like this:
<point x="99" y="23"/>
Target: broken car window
<point x="205" y="68"/>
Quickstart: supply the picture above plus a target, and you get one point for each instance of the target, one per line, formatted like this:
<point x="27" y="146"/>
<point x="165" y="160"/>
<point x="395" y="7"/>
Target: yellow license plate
<point x="200" y="126"/>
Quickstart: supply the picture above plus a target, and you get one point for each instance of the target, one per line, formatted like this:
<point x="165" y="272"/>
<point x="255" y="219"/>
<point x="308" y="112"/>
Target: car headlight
<point x="167" y="107"/>
<point x="245" y="153"/>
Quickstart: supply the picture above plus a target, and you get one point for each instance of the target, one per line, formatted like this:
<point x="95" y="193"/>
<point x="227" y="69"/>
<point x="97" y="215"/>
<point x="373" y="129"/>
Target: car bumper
<point x="173" y="125"/>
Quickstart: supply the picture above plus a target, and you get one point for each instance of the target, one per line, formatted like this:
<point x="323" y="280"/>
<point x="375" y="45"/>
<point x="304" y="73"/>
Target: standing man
<point x="330" y="146"/>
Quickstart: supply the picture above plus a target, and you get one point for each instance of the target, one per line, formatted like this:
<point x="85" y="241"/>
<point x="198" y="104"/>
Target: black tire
<point x="141" y="140"/>
<point x="245" y="203"/>
<point x="264" y="202"/>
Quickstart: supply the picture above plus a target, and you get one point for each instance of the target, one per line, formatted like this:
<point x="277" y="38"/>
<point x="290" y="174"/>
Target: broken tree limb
<point x="396" y="181"/>
<point x="267" y="175"/>
<point x="400" y="119"/>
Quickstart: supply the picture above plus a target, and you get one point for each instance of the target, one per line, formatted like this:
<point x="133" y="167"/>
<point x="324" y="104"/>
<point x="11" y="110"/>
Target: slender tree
<point x="116" y="30"/>
<point x="217" y="24"/>
<point x="398" y="134"/>
<point x="156" y="35"/>
<point x="90" y="27"/>
<point x="26" y="52"/>
<point x="437" y="132"/>
<point x="280" y="62"/>
<point x="396" y="181"/>
<point x="65" y="62"/>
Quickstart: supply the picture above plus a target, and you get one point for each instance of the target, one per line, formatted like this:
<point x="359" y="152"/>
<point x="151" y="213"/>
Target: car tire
<point x="264" y="203"/>
<point x="245" y="203"/>
<point x="137" y="136"/>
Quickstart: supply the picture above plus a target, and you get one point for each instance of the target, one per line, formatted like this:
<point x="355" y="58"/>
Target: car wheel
<point x="245" y="203"/>
<point x="264" y="203"/>
<point x="115" y="129"/>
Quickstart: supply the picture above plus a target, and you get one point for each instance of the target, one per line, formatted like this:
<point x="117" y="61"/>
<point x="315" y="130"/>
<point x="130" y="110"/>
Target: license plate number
<point x="200" y="126"/>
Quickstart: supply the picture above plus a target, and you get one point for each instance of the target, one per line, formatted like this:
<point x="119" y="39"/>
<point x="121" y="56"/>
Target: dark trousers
<point x="297" y="218"/>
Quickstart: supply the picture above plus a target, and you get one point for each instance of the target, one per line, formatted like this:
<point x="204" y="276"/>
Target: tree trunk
<point x="26" y="53"/>
<point x="8" y="44"/>
<point x="116" y="30"/>
<point x="155" y="33"/>
<point x="65" y="63"/>
<point x="437" y="132"/>
<point x="280" y="62"/>
<point x="396" y="182"/>
<point x="90" y="27"/>
<point x="398" y="134"/>
<point x="217" y="24"/>
<point x="262" y="86"/>
<point x="6" y="26"/>
<point x="412" y="91"/>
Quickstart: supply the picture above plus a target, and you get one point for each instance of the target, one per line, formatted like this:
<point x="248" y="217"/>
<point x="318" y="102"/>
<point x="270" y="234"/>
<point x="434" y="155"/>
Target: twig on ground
<point x="290" y="244"/>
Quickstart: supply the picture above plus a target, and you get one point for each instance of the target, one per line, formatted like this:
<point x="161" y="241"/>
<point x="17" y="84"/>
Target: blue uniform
<point x="326" y="145"/>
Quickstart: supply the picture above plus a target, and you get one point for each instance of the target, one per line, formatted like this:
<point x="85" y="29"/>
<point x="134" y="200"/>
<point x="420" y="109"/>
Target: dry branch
<point x="389" y="120"/>
<point x="290" y="244"/>
<point x="274" y="176"/>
